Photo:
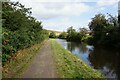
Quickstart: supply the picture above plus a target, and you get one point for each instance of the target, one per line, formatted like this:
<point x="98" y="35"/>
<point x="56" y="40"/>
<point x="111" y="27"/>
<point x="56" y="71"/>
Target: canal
<point x="105" y="61"/>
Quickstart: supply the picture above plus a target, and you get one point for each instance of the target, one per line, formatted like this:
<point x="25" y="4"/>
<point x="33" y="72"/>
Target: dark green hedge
<point x="20" y="30"/>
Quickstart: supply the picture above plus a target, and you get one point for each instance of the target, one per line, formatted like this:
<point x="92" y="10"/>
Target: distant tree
<point x="73" y="35"/>
<point x="71" y="30"/>
<point x="63" y="35"/>
<point x="52" y="35"/>
<point x="83" y="31"/>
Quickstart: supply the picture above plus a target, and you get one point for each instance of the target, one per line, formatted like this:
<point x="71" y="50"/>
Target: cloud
<point x="99" y="10"/>
<point x="61" y="14"/>
<point x="107" y="3"/>
<point x="59" y="25"/>
<point x="63" y="10"/>
<point x="64" y="24"/>
<point x="47" y="10"/>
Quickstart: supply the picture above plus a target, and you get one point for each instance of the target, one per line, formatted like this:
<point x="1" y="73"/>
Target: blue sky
<point x="60" y="14"/>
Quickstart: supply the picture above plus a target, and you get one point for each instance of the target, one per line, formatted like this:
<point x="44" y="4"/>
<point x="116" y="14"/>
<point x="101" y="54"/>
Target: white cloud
<point x="45" y="9"/>
<point x="64" y="24"/>
<point x="99" y="9"/>
<point x="107" y="2"/>
<point x="50" y="10"/>
<point x="60" y="25"/>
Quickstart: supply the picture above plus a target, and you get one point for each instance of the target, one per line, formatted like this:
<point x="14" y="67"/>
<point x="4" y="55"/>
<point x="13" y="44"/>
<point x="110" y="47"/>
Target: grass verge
<point x="19" y="62"/>
<point x="71" y="66"/>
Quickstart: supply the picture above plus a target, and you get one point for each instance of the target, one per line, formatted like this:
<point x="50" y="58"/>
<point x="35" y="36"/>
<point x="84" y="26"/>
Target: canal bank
<point x="71" y="66"/>
<point x="105" y="61"/>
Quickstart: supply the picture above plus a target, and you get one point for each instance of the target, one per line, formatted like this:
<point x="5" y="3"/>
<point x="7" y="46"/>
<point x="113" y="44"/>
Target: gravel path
<point x="42" y="65"/>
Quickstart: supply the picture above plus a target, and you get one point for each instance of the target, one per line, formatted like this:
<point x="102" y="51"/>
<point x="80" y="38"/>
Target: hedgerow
<point x="19" y="29"/>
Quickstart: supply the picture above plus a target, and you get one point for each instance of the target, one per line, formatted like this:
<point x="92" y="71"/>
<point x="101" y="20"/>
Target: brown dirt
<point x="42" y="65"/>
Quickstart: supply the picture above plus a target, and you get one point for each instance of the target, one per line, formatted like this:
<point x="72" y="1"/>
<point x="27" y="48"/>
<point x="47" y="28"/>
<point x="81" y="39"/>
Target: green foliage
<point x="73" y="35"/>
<point x="52" y="35"/>
<point x="83" y="32"/>
<point x="20" y="30"/>
<point x="63" y="35"/>
<point x="70" y="66"/>
<point x="105" y="31"/>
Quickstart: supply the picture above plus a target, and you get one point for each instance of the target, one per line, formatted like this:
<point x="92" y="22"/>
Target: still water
<point x="105" y="61"/>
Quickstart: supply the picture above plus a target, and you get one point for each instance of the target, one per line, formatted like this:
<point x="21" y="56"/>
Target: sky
<point x="59" y="15"/>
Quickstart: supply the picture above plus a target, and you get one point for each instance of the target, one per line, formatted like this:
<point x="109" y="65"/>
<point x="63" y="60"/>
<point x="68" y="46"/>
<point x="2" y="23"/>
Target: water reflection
<point x="106" y="61"/>
<point x="71" y="46"/>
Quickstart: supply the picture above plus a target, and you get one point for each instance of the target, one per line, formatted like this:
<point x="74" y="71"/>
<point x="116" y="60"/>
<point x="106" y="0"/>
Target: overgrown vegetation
<point x="70" y="66"/>
<point x="105" y="31"/>
<point x="19" y="30"/>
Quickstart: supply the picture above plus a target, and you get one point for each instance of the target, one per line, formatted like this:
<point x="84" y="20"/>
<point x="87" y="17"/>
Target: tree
<point x="52" y="35"/>
<point x="71" y="30"/>
<point x="105" y="31"/>
<point x="73" y="35"/>
<point x="63" y="35"/>
<point x="83" y="31"/>
<point x="97" y="26"/>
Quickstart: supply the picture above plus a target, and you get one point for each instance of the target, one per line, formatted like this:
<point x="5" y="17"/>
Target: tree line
<point x="19" y="29"/>
<point x="103" y="31"/>
<point x="72" y="35"/>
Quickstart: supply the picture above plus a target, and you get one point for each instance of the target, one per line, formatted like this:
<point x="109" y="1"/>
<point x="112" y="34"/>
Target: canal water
<point x="105" y="61"/>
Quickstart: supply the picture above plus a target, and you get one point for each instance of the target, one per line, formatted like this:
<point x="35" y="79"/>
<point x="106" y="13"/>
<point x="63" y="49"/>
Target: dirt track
<point x="42" y="65"/>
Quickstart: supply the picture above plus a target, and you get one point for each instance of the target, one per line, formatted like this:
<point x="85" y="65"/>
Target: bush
<point x="20" y="29"/>
<point x="52" y="35"/>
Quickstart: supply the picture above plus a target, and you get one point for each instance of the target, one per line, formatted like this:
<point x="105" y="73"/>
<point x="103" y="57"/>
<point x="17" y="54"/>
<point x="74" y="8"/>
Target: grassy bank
<point x="70" y="66"/>
<point x="19" y="62"/>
